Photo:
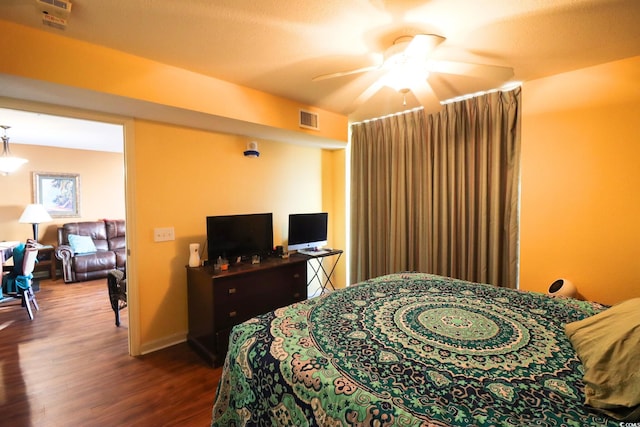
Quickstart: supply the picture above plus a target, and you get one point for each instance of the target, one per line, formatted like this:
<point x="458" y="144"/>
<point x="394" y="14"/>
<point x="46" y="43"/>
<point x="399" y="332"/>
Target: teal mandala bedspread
<point x="408" y="349"/>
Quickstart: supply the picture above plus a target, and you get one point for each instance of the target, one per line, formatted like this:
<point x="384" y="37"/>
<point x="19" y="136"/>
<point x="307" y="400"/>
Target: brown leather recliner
<point x="108" y="236"/>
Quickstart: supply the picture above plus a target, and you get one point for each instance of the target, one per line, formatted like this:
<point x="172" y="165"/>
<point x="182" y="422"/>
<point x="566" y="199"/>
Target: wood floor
<point x="70" y="367"/>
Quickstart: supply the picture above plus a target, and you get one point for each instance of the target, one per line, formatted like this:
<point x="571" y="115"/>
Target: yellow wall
<point x="333" y="201"/>
<point x="101" y="188"/>
<point x="176" y="176"/>
<point x="50" y="57"/>
<point x="187" y="175"/>
<point x="580" y="216"/>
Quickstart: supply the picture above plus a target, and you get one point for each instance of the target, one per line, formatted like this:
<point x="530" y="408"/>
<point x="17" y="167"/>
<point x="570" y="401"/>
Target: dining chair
<point x="117" y="285"/>
<point x="24" y="281"/>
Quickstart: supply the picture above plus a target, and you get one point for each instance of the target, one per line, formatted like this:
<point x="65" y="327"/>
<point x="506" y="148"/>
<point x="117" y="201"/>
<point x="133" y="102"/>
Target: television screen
<point x="239" y="236"/>
<point x="308" y="231"/>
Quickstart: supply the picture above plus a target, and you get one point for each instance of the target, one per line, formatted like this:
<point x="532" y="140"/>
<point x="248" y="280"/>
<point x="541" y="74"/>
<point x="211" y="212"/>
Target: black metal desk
<point x="318" y="267"/>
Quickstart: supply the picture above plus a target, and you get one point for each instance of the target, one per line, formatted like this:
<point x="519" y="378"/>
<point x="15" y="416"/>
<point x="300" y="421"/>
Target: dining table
<point x="6" y="252"/>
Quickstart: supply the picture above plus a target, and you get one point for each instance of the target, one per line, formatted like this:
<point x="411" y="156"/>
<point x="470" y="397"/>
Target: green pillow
<point x="608" y="344"/>
<point x="81" y="244"/>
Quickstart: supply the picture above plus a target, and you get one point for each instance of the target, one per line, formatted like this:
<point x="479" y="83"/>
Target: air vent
<point x="62" y="6"/>
<point x="309" y="120"/>
<point x="55" y="13"/>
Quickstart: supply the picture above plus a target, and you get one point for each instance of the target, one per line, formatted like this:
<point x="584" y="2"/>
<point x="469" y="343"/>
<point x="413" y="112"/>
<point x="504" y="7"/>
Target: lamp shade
<point x="8" y="163"/>
<point x="34" y="214"/>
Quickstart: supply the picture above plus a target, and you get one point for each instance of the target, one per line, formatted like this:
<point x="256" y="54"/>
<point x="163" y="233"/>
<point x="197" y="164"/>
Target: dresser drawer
<point x="220" y="300"/>
<point x="240" y="298"/>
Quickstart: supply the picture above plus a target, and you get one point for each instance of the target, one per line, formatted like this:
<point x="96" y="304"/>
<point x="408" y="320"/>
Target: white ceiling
<point x="278" y="46"/>
<point x="56" y="131"/>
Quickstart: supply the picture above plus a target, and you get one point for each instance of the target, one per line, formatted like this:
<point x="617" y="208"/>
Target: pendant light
<point x="8" y="163"/>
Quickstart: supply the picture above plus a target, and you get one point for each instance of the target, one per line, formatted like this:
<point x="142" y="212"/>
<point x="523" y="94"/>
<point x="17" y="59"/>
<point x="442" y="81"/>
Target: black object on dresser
<point x="218" y="300"/>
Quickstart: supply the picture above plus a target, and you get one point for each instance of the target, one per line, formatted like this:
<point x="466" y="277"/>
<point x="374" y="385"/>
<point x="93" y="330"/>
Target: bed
<point x="409" y="349"/>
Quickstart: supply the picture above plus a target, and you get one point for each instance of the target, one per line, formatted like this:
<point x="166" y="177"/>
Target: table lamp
<point x="34" y="214"/>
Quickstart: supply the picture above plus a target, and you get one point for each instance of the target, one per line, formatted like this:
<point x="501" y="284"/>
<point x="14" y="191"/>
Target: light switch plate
<point x="163" y="234"/>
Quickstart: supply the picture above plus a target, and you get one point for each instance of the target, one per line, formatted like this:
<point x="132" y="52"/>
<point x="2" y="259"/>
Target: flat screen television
<point x="307" y="231"/>
<point x="239" y="236"/>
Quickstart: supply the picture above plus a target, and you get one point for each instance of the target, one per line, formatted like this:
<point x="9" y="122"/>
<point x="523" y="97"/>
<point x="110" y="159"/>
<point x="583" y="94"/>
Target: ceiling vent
<point x="309" y="120"/>
<point x="54" y="12"/>
<point x="61" y="6"/>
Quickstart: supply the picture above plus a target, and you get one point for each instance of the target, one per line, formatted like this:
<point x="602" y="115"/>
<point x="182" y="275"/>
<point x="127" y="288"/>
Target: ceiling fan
<point x="407" y="65"/>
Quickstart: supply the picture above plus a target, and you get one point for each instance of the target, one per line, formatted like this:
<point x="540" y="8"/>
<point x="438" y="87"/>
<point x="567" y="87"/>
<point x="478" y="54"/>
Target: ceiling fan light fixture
<point x="405" y="77"/>
<point x="408" y="63"/>
<point x="8" y="163"/>
<point x="407" y="67"/>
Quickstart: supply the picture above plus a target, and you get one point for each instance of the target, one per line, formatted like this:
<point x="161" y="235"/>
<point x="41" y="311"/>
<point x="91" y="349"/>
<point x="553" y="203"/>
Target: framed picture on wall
<point x="59" y="193"/>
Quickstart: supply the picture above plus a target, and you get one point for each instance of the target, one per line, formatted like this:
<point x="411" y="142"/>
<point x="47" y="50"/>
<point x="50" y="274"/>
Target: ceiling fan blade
<point x="366" y="95"/>
<point x="345" y="73"/>
<point x="426" y="97"/>
<point x="423" y="44"/>
<point x="484" y="71"/>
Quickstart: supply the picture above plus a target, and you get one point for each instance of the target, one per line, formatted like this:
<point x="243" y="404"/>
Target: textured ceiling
<point x="278" y="46"/>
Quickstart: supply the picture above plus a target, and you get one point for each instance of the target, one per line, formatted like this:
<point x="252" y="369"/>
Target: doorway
<point x="63" y="140"/>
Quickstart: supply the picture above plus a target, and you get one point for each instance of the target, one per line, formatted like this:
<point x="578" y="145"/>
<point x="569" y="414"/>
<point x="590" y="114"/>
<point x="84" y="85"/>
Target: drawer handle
<point x="296" y="295"/>
<point x="232" y="314"/>
<point x="232" y="291"/>
<point x="296" y="276"/>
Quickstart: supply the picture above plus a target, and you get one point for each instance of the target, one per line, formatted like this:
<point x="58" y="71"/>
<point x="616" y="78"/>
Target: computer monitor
<point x="308" y="230"/>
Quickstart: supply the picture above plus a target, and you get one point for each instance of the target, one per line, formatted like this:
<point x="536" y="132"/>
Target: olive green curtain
<point x="438" y="193"/>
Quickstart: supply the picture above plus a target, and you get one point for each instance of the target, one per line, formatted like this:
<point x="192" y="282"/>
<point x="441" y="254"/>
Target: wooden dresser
<point x="218" y="300"/>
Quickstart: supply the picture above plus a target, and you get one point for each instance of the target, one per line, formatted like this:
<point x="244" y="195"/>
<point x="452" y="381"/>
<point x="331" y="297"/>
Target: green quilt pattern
<point x="408" y="349"/>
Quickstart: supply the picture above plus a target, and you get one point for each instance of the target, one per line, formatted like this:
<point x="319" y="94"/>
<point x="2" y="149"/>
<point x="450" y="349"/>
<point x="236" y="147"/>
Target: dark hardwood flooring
<point x="70" y="367"/>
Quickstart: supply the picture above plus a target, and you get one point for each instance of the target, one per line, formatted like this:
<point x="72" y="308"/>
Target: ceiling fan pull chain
<point x="404" y="96"/>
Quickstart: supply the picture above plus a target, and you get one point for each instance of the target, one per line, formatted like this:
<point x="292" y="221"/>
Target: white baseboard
<point x="165" y="342"/>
